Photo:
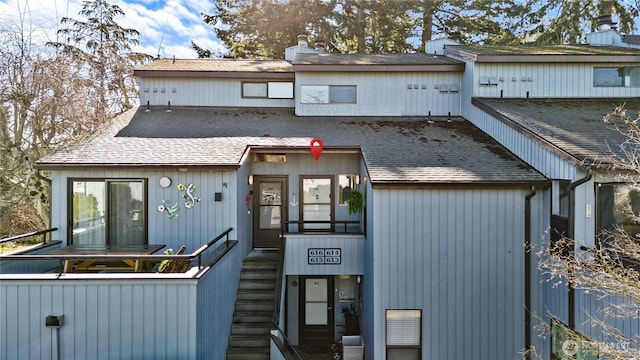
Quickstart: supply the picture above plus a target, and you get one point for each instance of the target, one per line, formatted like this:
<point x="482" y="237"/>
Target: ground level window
<point x="404" y="334"/>
<point x="566" y="345"/>
<point x="107" y="211"/>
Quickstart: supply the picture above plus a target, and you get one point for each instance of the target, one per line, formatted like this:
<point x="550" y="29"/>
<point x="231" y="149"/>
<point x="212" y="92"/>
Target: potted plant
<point x="354" y="199"/>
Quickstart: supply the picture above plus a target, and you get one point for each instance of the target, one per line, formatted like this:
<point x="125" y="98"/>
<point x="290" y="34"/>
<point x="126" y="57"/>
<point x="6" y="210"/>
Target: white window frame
<point x="403" y="331"/>
<point x="269" y="90"/>
<point x="326" y="94"/>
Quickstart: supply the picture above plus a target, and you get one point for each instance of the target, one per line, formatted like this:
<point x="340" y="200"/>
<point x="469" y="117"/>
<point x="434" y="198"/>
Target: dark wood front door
<point x="269" y="210"/>
<point x="316" y="313"/>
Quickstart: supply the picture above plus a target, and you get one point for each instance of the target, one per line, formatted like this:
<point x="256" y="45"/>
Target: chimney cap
<point x="319" y="45"/>
<point x="303" y="39"/>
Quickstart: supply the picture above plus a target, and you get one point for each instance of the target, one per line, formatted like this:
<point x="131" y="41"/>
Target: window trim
<point x="106" y="181"/>
<point x="420" y="335"/>
<point x="267" y="88"/>
<point x="623" y="77"/>
<point x="327" y="99"/>
<point x="331" y="202"/>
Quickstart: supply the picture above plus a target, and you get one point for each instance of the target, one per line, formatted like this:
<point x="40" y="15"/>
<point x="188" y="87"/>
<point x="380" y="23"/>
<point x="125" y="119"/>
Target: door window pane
<point x="126" y="212"/>
<point x="88" y="210"/>
<point x="270" y="205"/>
<point x="316" y="302"/>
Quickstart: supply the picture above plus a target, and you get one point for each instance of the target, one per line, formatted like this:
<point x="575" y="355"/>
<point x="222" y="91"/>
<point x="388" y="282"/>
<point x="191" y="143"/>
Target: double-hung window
<point x="107" y="211"/>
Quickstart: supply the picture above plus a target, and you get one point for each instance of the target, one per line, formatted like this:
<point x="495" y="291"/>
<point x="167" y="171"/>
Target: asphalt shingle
<point x="395" y="149"/>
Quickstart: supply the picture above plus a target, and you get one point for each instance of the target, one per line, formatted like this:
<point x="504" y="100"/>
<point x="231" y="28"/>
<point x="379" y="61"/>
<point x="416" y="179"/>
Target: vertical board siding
<point x="304" y="164"/>
<point x="296" y="255"/>
<point x="458" y="256"/>
<point x="216" y="297"/>
<point x="384" y="94"/>
<point x="548" y="80"/>
<point x="127" y="319"/>
<point x="193" y="227"/>
<point x="201" y="92"/>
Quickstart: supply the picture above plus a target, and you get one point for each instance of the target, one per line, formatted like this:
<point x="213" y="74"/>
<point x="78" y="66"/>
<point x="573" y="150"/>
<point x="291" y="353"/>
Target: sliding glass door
<point x="107" y="212"/>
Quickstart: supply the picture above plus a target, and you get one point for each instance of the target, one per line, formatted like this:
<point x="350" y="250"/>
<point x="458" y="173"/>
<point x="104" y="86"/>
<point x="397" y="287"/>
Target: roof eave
<point x="379" y="67"/>
<point x="529" y="134"/>
<point x="382" y="184"/>
<point x="214" y="74"/>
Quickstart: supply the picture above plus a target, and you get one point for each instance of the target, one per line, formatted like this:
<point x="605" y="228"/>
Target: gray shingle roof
<point x="216" y="65"/>
<point x="573" y="128"/>
<point x="395" y="149"/>
<point x="372" y="59"/>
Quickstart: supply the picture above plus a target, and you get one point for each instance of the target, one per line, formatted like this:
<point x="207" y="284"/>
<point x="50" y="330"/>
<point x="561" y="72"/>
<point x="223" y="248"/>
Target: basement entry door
<point x="316" y="313"/>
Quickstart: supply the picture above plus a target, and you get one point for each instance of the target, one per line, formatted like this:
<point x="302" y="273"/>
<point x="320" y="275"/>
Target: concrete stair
<point x="253" y="313"/>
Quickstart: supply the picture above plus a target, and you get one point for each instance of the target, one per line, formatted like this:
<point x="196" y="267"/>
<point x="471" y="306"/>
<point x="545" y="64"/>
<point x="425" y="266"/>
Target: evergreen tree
<point x="104" y="48"/>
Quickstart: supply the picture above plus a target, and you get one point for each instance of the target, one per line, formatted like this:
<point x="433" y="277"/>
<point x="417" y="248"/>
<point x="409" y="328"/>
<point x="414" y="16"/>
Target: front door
<point x="269" y="210"/>
<point x="316" y="313"/>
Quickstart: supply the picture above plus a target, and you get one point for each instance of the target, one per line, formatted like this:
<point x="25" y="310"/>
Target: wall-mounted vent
<point x="484" y="80"/>
<point x="454" y="88"/>
<point x="444" y="88"/>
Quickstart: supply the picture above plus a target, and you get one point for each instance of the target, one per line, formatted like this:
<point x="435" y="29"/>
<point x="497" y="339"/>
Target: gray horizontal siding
<point x="458" y="256"/>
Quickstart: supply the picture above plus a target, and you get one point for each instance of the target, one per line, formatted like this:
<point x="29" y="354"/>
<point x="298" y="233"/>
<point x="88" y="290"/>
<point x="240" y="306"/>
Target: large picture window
<point x="404" y="334"/>
<point x="328" y="94"/>
<point x="270" y="90"/>
<point x="616" y="76"/>
<point x="107" y="211"/>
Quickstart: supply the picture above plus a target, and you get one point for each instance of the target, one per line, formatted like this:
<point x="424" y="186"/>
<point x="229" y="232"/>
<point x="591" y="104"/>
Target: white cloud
<point x="168" y="26"/>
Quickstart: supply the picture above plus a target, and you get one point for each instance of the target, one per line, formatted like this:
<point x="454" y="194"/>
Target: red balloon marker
<point x="316" y="147"/>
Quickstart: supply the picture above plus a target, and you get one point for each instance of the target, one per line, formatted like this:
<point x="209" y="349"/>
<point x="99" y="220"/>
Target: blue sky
<point x="166" y="27"/>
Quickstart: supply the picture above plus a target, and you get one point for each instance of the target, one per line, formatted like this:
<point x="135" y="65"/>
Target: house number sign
<point x="325" y="256"/>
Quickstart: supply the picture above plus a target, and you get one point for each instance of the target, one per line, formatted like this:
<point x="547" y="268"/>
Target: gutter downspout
<point x="48" y="181"/>
<point x="527" y="271"/>
<point x="571" y="235"/>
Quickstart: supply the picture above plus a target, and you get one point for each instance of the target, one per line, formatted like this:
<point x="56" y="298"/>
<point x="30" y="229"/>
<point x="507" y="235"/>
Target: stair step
<point x="252" y="305"/>
<point x="252" y="316"/>
<point x="257" y="285"/>
<point x="267" y="266"/>
<point x="251" y="329"/>
<point x="262" y="275"/>
<point x="247" y="354"/>
<point x="249" y="341"/>
<point x="254" y="295"/>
